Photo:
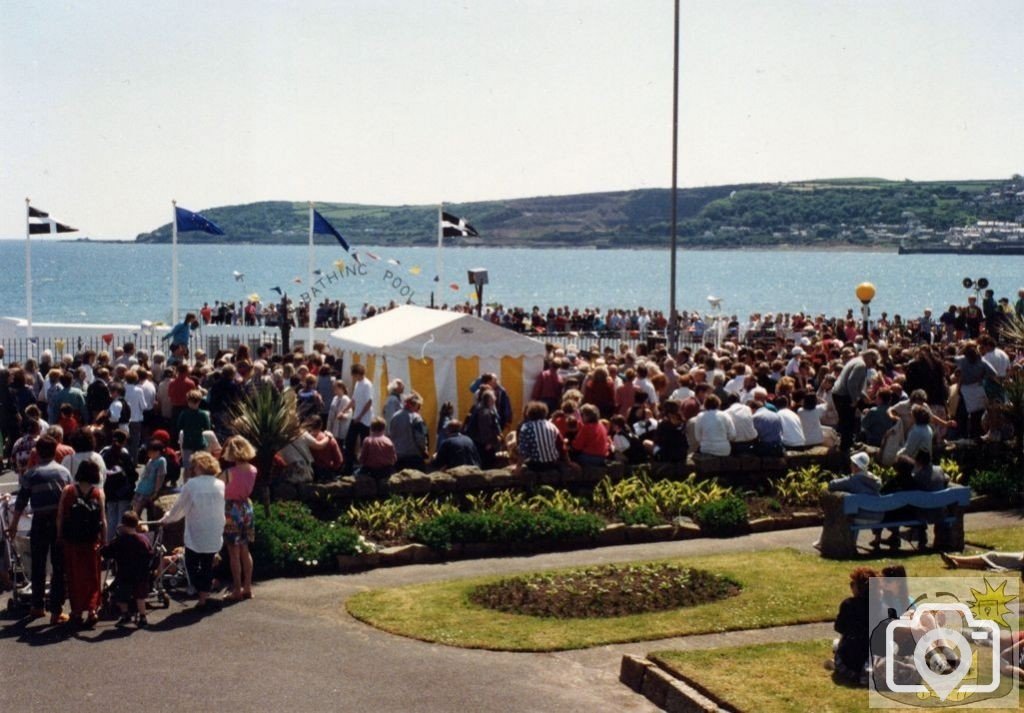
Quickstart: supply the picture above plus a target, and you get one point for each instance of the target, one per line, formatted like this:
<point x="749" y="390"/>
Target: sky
<point x="111" y="109"/>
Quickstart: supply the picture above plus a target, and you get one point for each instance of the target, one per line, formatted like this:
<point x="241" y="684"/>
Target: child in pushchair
<point x="13" y="550"/>
<point x="132" y="556"/>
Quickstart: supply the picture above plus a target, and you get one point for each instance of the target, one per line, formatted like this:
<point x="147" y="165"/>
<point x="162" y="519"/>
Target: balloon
<point x="108" y="338"/>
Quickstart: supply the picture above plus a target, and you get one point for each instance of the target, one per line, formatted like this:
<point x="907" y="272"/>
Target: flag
<point x="339" y="265"/>
<point x="454" y="286"/>
<point x="188" y="221"/>
<point x="452" y="225"/>
<point x="415" y="270"/>
<point x="40" y="222"/>
<point x="318" y="273"/>
<point x="322" y="227"/>
<point x="297" y="280"/>
<point x="393" y="261"/>
<point x="372" y="256"/>
<point x="277" y="290"/>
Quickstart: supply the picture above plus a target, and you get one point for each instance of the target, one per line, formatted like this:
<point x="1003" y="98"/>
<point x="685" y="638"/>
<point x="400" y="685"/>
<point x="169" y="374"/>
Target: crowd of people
<point x="117" y="428"/>
<point x="950" y="325"/>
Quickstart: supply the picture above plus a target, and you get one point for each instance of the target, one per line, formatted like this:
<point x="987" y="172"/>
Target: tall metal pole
<point x="28" y="269"/>
<point x="673" y="333"/>
<point x="174" y="262"/>
<point x="310" y="320"/>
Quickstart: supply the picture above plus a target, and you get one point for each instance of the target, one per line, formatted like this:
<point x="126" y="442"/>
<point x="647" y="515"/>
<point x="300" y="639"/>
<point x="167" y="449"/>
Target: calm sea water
<point x="127" y="283"/>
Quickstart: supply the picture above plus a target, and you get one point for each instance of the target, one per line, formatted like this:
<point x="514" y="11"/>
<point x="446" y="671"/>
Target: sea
<point x="125" y="283"/>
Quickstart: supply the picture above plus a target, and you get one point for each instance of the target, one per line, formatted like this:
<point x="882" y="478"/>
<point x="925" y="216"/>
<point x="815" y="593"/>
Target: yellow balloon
<point x="865" y="292"/>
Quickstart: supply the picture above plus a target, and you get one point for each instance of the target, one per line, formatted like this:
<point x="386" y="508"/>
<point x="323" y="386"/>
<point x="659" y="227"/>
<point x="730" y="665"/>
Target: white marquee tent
<point x="439" y="354"/>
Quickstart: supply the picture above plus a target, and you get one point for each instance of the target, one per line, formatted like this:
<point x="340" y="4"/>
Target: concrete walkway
<point x="294" y="648"/>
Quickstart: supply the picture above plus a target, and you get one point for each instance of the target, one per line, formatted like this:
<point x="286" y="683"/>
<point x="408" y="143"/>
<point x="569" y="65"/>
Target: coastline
<point x="788" y="247"/>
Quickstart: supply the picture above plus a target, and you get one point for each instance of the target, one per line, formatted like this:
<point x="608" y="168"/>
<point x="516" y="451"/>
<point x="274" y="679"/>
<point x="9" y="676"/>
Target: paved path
<point x="294" y="648"/>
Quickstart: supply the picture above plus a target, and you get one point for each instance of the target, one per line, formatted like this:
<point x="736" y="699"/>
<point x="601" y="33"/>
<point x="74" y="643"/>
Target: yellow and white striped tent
<point x="439" y="354"/>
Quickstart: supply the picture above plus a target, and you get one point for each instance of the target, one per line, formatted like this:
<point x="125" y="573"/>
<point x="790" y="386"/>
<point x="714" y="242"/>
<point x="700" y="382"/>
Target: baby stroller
<point x="11" y="568"/>
<point x="167" y="571"/>
<point x="168" y="567"/>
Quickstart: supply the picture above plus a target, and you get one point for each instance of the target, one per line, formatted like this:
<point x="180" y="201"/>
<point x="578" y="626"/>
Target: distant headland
<point x="832" y="213"/>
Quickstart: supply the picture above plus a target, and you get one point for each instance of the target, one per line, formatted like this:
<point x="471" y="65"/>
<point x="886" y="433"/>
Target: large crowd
<point x="953" y="323"/>
<point x="116" y="428"/>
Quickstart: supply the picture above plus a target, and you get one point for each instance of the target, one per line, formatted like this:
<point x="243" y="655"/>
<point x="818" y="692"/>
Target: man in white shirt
<point x="745" y="435"/>
<point x="136" y="400"/>
<point x="644" y="384"/>
<point x="362" y="414"/>
<point x="792" y="428"/>
<point x="996" y="357"/>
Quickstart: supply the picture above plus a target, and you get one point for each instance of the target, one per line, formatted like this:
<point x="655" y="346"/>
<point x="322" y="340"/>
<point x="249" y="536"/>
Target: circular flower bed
<point x="605" y="591"/>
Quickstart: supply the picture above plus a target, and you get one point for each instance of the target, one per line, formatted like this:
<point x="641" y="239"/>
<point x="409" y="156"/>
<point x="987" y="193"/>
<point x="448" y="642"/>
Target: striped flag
<point x="452" y="226"/>
<point x="40" y="222"/>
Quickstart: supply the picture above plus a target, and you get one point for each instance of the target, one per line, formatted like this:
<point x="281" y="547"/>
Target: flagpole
<point x="439" y="259"/>
<point x="174" y="262"/>
<point x="309" y="282"/>
<point x="28" y="268"/>
<point x="673" y="313"/>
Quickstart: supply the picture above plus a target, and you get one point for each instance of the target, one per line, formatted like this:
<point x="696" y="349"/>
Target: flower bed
<point x="606" y="591"/>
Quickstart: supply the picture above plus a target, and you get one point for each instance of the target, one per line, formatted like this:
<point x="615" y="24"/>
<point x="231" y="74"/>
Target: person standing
<point x="239" y="531"/>
<point x="362" y="414"/>
<point x="179" y="336"/>
<point x="81" y="527"/>
<point x="41" y="487"/>
<point x="136" y="400"/>
<point x="201" y="504"/>
<point x="408" y="432"/>
<point x="849" y="391"/>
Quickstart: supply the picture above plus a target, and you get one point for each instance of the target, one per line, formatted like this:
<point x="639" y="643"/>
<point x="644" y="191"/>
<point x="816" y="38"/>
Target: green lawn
<point x="770" y="678"/>
<point x="779" y="587"/>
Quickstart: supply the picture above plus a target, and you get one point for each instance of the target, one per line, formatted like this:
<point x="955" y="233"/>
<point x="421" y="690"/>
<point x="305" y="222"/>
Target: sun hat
<point x="861" y="460"/>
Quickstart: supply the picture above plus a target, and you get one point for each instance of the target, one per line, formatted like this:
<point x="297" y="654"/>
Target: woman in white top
<point x="714" y="429"/>
<point x="339" y="416"/>
<point x="201" y="503"/>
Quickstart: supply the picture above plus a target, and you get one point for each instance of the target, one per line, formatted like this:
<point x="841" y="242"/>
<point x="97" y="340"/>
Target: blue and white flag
<point x="322" y="227"/>
<point x="189" y="221"/>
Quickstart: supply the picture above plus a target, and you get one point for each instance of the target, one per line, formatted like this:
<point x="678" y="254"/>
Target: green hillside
<point x="851" y="211"/>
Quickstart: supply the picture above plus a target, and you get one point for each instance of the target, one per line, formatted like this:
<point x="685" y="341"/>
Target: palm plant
<point x="268" y="419"/>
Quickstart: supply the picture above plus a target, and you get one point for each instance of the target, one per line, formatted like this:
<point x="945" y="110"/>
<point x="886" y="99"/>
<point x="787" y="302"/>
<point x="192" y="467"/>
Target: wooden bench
<point x="846" y="515"/>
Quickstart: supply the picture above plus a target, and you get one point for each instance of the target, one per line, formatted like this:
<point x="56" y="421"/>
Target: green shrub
<point x="668" y="498"/>
<point x="802" y="487"/>
<point x="513" y="524"/>
<point x="641" y="515"/>
<point x="292" y="542"/>
<point x="1003" y="484"/>
<point x="723" y="517"/>
<point x="391" y="518"/>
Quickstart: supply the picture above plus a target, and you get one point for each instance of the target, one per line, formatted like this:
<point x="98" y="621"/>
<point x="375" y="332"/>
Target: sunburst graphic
<point x="991" y="603"/>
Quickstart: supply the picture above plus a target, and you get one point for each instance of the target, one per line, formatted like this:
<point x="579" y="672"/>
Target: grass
<point x="779" y="587"/>
<point x="769" y="678"/>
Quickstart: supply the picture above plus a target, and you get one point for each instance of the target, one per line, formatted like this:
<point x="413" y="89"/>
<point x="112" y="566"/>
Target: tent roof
<point x="406" y="330"/>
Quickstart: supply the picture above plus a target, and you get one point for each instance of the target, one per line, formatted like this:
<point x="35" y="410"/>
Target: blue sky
<point x="112" y="109"/>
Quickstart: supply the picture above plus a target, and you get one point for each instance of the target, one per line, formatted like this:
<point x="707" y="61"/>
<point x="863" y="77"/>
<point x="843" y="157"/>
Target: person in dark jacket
<point x="456" y="449"/>
<point x="852" y="624"/>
